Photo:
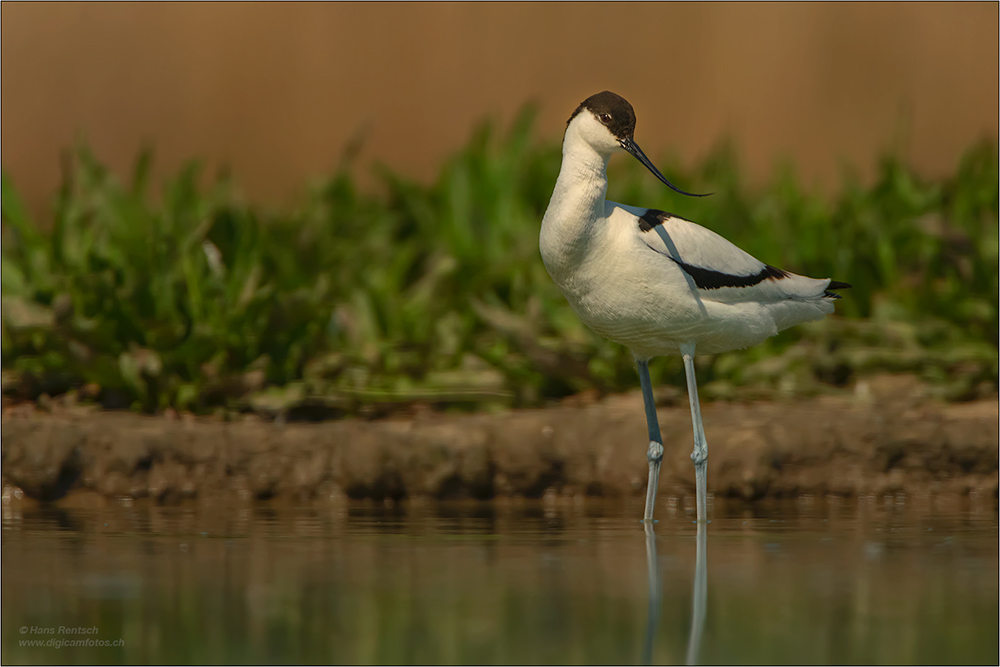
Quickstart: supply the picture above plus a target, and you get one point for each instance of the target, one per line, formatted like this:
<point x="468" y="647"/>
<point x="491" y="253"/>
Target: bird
<point x="655" y="282"/>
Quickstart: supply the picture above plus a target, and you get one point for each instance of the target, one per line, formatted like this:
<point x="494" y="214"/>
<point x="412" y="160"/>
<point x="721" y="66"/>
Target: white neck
<point x="577" y="202"/>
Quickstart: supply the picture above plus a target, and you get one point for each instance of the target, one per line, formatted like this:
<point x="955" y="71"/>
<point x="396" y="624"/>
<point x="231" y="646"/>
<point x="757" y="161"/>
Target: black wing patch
<point x="651" y="218"/>
<point x="709" y="279"/>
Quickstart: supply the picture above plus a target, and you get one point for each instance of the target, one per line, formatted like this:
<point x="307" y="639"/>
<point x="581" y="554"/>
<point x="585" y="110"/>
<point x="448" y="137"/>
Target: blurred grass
<point x="358" y="302"/>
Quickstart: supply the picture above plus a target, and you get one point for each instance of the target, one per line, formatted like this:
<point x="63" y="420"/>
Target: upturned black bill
<point x="637" y="153"/>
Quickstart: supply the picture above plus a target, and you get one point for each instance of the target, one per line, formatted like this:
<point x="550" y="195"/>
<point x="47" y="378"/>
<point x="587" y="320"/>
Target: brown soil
<point x="893" y="441"/>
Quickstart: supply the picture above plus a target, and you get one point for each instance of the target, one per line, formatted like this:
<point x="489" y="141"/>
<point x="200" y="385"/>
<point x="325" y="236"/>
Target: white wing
<point x="720" y="271"/>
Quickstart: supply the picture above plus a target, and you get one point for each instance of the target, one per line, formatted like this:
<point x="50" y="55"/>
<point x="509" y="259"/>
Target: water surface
<point x="844" y="582"/>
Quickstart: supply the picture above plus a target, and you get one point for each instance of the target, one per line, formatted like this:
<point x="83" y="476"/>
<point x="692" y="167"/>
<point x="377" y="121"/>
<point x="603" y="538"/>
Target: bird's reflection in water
<point x="698" y="597"/>
<point x="655" y="594"/>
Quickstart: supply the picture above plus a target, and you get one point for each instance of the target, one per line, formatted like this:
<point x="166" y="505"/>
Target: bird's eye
<point x="605" y="118"/>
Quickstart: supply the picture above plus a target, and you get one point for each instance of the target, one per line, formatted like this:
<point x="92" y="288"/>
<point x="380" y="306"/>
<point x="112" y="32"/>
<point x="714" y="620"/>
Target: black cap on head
<point x="612" y="110"/>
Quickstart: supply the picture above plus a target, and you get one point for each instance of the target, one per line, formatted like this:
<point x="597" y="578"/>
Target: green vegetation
<point x="356" y="302"/>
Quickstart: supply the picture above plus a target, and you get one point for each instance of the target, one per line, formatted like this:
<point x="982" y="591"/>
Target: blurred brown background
<point x="277" y="90"/>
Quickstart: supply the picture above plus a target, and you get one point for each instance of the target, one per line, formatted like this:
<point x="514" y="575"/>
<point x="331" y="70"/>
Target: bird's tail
<point x="835" y="284"/>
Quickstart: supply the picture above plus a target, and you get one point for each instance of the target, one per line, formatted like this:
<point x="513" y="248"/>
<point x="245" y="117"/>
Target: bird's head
<point x="606" y="122"/>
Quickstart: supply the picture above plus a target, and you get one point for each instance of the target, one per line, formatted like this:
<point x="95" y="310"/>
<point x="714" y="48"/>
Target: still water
<point x="841" y="582"/>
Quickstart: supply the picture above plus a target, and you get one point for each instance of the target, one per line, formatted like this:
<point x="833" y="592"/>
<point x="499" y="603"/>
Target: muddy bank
<point x="890" y="442"/>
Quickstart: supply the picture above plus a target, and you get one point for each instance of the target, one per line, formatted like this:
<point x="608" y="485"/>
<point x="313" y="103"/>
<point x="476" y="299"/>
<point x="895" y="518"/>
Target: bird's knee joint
<point x="655" y="452"/>
<point x="699" y="456"/>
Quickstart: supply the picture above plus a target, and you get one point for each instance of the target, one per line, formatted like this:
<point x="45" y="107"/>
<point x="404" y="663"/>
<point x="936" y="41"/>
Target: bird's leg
<point x="655" y="452"/>
<point x="700" y="453"/>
